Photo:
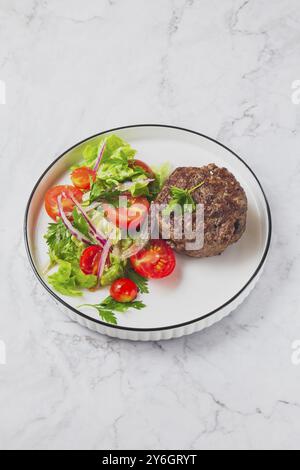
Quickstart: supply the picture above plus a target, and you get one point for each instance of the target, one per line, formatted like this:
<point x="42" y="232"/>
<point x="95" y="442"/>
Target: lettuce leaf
<point x="122" y="154"/>
<point x="113" y="272"/>
<point x="116" y="168"/>
<point x="161" y="174"/>
<point x="113" y="143"/>
<point x="68" y="279"/>
<point x="140" y="188"/>
<point x="101" y="190"/>
<point x="114" y="172"/>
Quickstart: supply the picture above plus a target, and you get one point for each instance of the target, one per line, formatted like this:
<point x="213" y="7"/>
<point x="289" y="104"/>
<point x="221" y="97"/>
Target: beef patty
<point x="225" y="207"/>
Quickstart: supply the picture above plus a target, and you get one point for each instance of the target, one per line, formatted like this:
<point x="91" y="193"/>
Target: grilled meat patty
<point x="225" y="207"/>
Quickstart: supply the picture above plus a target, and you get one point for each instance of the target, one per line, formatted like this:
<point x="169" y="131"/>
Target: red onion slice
<point x="92" y="206"/>
<point x="103" y="258"/>
<point x="99" y="158"/>
<point x="96" y="233"/>
<point x="68" y="224"/>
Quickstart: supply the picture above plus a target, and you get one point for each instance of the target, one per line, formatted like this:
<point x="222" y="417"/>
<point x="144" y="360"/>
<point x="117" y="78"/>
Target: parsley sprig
<point x="141" y="282"/>
<point x="109" y="307"/>
<point x="61" y="244"/>
<point x="182" y="197"/>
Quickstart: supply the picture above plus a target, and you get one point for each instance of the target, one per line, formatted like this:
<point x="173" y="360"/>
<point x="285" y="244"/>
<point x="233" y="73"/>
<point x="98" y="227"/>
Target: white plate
<point x="201" y="291"/>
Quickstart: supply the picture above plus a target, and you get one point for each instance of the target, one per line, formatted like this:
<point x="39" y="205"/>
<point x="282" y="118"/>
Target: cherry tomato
<point x="68" y="205"/>
<point x="90" y="258"/>
<point x="144" y="167"/>
<point x="155" y="261"/>
<point x="81" y="177"/>
<point x="135" y="213"/>
<point x="123" y="290"/>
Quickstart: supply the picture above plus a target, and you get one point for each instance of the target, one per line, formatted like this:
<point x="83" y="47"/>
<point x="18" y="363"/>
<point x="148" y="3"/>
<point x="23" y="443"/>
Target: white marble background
<point x="222" y="67"/>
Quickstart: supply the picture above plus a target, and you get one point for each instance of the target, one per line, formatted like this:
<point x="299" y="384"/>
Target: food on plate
<point x="90" y="259"/>
<point x="155" y="261"/>
<point x="83" y="177"/>
<point x="124" y="290"/>
<point x="109" y="307"/>
<point x="111" y="193"/>
<point x="134" y="212"/>
<point x="146" y="168"/>
<point x="101" y="234"/>
<point x="51" y="204"/>
<point x="225" y="206"/>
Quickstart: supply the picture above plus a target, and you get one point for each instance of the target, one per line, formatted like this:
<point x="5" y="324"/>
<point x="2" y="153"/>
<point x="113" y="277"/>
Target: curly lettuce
<point x="69" y="280"/>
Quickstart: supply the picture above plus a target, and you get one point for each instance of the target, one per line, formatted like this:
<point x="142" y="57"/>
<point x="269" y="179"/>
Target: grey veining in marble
<point x="224" y="68"/>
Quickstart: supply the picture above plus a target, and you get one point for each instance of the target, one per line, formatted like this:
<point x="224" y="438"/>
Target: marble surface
<point x="224" y="68"/>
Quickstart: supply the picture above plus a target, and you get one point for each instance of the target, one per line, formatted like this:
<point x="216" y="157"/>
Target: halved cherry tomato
<point x="82" y="177"/>
<point x="144" y="167"/>
<point x="123" y="290"/>
<point x="90" y="258"/>
<point x="155" y="261"/>
<point x="123" y="217"/>
<point x="68" y="205"/>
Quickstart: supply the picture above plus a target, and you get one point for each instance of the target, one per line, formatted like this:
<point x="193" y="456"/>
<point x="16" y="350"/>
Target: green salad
<point x="99" y="232"/>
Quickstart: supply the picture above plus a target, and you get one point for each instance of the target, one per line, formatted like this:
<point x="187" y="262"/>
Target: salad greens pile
<point x="109" y="307"/>
<point x="116" y="168"/>
<point x="113" y="172"/>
